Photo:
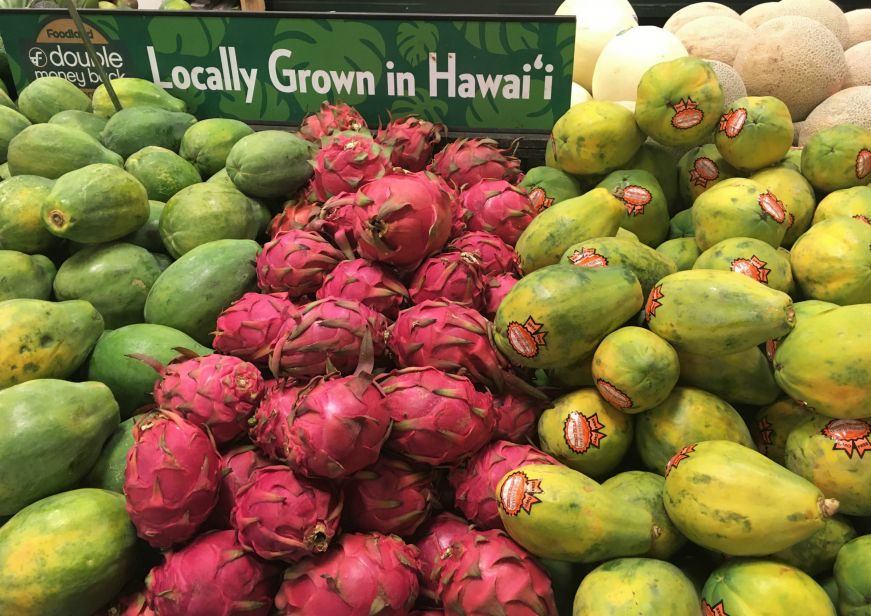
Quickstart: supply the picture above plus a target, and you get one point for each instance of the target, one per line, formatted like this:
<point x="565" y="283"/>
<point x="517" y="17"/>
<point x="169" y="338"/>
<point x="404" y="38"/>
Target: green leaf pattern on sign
<point x="499" y="38"/>
<point x="489" y="112"/>
<point x="415" y="40"/>
<point x="267" y="102"/>
<point x="421" y="104"/>
<point x="178" y="36"/>
<point x="565" y="42"/>
<point x="105" y="24"/>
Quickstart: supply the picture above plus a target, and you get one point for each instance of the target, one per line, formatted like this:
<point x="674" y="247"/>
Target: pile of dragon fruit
<point x="339" y="453"/>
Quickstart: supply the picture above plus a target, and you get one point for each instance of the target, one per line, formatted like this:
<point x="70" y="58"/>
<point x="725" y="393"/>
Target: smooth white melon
<point x="858" y="65"/>
<point x="579" y="95"/>
<point x="859" y="22"/>
<point x="696" y="10"/>
<point x="714" y="38"/>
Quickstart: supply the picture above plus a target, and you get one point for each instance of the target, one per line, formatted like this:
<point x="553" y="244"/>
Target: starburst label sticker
<point x="772" y="206"/>
<point x="864" y="219"/>
<point x="753" y="267"/>
<point x="771" y="348"/>
<point x="653" y="303"/>
<point x="849" y="435"/>
<point x="863" y="163"/>
<point x="539" y="199"/>
<point x="732" y="122"/>
<point x="519" y="492"/>
<point x="686" y="114"/>
<point x="704" y="171"/>
<point x="588" y="257"/>
<point x="582" y="432"/>
<point x="634" y="198"/>
<point x="766" y="435"/>
<point x="526" y="339"/>
<point x="713" y="610"/>
<point x="679" y="457"/>
<point x="613" y="395"/>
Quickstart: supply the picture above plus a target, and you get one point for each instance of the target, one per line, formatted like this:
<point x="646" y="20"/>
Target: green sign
<point x="479" y="74"/>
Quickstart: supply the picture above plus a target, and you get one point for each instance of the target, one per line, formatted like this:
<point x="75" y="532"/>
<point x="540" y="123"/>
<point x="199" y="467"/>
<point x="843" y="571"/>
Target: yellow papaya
<point x="754" y="132"/>
<point x="772" y="425"/>
<point x="744" y="377"/>
<point x="852" y="202"/>
<point x="753" y="258"/>
<point x="644" y="203"/>
<point x="797" y="196"/>
<point x="682" y="250"/>
<point x="816" y="554"/>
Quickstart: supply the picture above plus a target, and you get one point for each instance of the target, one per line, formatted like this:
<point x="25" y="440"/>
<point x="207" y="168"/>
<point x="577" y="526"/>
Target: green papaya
<point x="853" y="202"/>
<point x="42" y="340"/>
<point x="772" y="425"/>
<point x="163" y="261"/>
<point x="660" y="161"/>
<point x="64" y="425"/>
<point x="130" y="379"/>
<point x="21" y="228"/>
<point x="191" y="293"/>
<point x="837" y="157"/>
<point x="207" y="143"/>
<point x="637" y="586"/>
<point x="134" y="92"/>
<point x="712" y="494"/>
<point x="645" y="206"/>
<point x="66" y="555"/>
<point x="561" y="514"/>
<point x="52" y="150"/>
<point x="816" y="554"/>
<point x="11" y="124"/>
<point x="681" y="225"/>
<point x="4" y="171"/>
<point x="644" y="489"/>
<point x="46" y="96"/>
<point x="5" y="101"/>
<point x="797" y="196"/>
<point x="86" y="122"/>
<point x="683" y="251"/>
<point x="271" y="163"/>
<point x="700" y="169"/>
<point x="108" y="471"/>
<point x="161" y="171"/>
<point x="115" y="278"/>
<point x="803" y="310"/>
<point x="95" y="204"/>
<point x="25" y="276"/>
<point x="585" y="433"/>
<point x="824" y="365"/>
<point x="853" y="577"/>
<point x="831" y="587"/>
<point x="205" y="212"/>
<point x="710" y="312"/>
<point x="547" y="186"/>
<point x="573" y="376"/>
<point x="751" y="257"/>
<point x="744" y="377"/>
<point x="148" y="235"/>
<point x="597" y="213"/>
<point x="754" y="132"/>
<point x="539" y="323"/>
<point x="130" y="130"/>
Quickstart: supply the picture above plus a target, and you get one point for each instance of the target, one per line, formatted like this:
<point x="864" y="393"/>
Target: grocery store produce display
<point x="357" y="371"/>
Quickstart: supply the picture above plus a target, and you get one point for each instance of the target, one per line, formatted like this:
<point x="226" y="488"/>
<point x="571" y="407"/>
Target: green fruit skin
<point x="713" y="495"/>
<point x="66" y="555"/>
<point x="585" y="450"/>
<point x="556" y="185"/>
<point x="191" y="293"/>
<point x="573" y="376"/>
<point x="95" y="204"/>
<point x="750" y="587"/>
<point x="270" y="163"/>
<point x="134" y="92"/>
<point x="688" y="415"/>
<point x="207" y="143"/>
<point x="852" y="202"/>
<point x="644" y="489"/>
<point x="683" y="251"/>
<point x="797" y="196"/>
<point x="825" y="451"/>
<point x="765" y="137"/>
<point x="595" y="214"/>
<point x="130" y="379"/>
<point x="130" y="130"/>
<point x="772" y="425"/>
<point x="852" y="568"/>
<point x="163" y="261"/>
<point x="585" y="523"/>
<point x="550" y="296"/>
<point x="824" y="364"/>
<point x="11" y="124"/>
<point x="634" y="369"/>
<point x="649" y="221"/>
<point x="86" y="122"/>
<point x="204" y="213"/>
<point x="830" y="158"/>
<point x="148" y="235"/>
<point x="737" y="254"/>
<point x="681" y="225"/>
<point x="709" y="312"/>
<point x="660" y="161"/>
<point x="161" y="171"/>
<point x="46" y="96"/>
<point x="52" y="150"/>
<point x="744" y="377"/>
<point x="42" y="340"/>
<point x="636" y="586"/>
<point x="831" y="588"/>
<point x="25" y="276"/>
<point x="115" y="278"/>
<point x="108" y="471"/>
<point x="816" y="554"/>
<point x="21" y="227"/>
<point x="63" y="425"/>
<point x="695" y="175"/>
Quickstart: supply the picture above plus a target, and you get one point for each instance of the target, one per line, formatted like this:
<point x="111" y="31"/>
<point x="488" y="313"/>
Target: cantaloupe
<point x="730" y="81"/>
<point x="858" y="65"/>
<point x="695" y="11"/>
<point x="795" y="59"/>
<point x="796" y="127"/>
<point x="627" y="56"/>
<point x="849" y="106"/>
<point x="714" y="38"/>
<point x="859" y="22"/>
<point x="824" y="11"/>
<point x="755" y="15"/>
<point x="579" y="94"/>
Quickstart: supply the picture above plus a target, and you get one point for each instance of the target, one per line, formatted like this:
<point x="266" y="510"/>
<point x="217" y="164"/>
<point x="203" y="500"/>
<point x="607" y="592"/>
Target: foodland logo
<point x="60" y="52"/>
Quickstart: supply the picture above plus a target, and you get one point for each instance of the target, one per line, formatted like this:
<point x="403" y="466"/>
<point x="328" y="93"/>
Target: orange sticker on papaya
<point x="519" y="492"/>
<point x="704" y="171"/>
<point x="732" y="122"/>
<point x="679" y="457"/>
<point x="713" y="610"/>
<point x="588" y="257"/>
<point x="615" y="396"/>
<point x="753" y="267"/>
<point x="653" y="303"/>
<point x="526" y="339"/>
<point x="582" y="432"/>
<point x="772" y="206"/>
<point x="863" y="163"/>
<point x="686" y="114"/>
<point x="766" y="435"/>
<point x="849" y="435"/>
<point x="634" y="198"/>
<point x="539" y="199"/>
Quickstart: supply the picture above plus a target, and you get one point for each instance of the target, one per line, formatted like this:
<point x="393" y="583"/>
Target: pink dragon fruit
<point x="172" y="478"/>
<point x="346" y="163"/>
<point x="475" y="482"/>
<point x="297" y="214"/>
<point x="408" y="218"/>
<point x="237" y="466"/>
<point x="449" y="337"/>
<point x="280" y="515"/>
<point x="497" y="207"/>
<point x="328" y="330"/>
<point x="219" y="392"/>
<point x="495" y="290"/>
<point x="337" y="428"/>
<point x="212" y="576"/>
<point x="438" y="418"/>
<point x="132" y="604"/>
<point x="427" y="613"/>
<point x="249" y="327"/>
<point x="495" y="256"/>
<point x="368" y="283"/>
<point x="458" y="219"/>
<point x="438" y="535"/>
<point x="270" y="428"/>
<point x="485" y="572"/>
<point x="452" y="276"/>
<point x="338" y="220"/>
<point x="412" y="141"/>
<point x="330" y="119"/>
<point x="391" y="497"/>
<point x="362" y="575"/>
<point x="516" y="417"/>
<point x="296" y="261"/>
<point x="468" y="161"/>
